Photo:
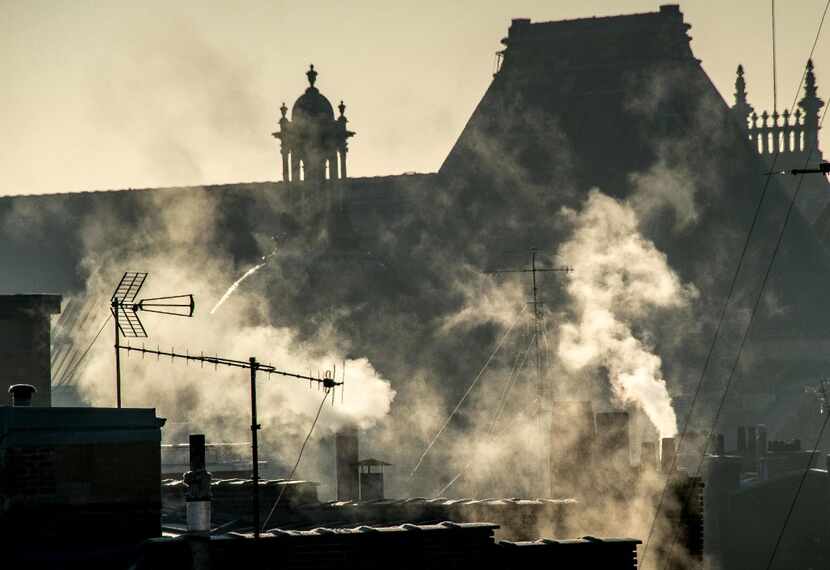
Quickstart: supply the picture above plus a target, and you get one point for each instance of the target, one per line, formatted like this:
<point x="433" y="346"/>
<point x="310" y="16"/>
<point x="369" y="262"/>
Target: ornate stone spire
<point x="742" y="109"/>
<point x="811" y="104"/>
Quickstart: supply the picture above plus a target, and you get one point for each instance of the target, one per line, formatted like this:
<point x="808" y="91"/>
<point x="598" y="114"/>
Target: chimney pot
<point x="20" y="395"/>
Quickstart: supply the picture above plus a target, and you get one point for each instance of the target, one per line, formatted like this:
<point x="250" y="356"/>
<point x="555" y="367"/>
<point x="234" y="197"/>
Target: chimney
<point x="197" y="481"/>
<point x="762" y="440"/>
<point x="346" y="448"/>
<point x="741" y="440"/>
<point x="20" y="395"/>
<point x="668" y="455"/>
<point x="371" y="479"/>
<point x="25" y="343"/>
<point x="720" y="445"/>
<point x="751" y="462"/>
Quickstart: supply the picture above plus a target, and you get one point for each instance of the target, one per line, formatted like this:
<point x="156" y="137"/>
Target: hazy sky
<point x="117" y="94"/>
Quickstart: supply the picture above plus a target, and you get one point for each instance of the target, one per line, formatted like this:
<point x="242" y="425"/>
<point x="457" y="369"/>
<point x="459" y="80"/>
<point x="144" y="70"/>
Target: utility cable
<point x="467" y="393"/>
<point x="798" y="490"/>
<point x="774" y="66"/>
<point x="70" y="373"/>
<point x="729" y="297"/>
<point x="299" y="457"/>
<point x="752" y="314"/>
<point x="520" y="363"/>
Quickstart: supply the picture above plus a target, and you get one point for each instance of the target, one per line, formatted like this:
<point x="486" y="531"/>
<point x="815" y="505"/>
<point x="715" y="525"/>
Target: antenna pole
<point x="774" y="70"/>
<point x="540" y="410"/>
<point x="117" y="360"/>
<point x="254" y="448"/>
<point x="542" y="389"/>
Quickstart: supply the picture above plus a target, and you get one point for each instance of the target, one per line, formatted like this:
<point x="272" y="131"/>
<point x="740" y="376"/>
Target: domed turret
<point x="313" y="143"/>
<point x="312" y="105"/>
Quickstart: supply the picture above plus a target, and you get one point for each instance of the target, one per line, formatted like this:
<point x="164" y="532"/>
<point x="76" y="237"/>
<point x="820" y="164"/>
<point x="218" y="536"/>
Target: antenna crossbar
<point x="233" y="363"/>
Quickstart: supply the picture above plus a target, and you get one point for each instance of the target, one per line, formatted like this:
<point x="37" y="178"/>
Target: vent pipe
<point x="346" y="448"/>
<point x="197" y="481"/>
<point x="20" y="395"/>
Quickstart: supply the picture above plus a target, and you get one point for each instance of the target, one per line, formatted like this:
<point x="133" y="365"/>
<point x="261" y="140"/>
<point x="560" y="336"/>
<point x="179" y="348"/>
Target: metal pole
<point x="254" y="448"/>
<point x="540" y="418"/>
<point x="117" y="362"/>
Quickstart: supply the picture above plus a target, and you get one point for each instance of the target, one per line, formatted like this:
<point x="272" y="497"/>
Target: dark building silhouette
<point x="575" y="105"/>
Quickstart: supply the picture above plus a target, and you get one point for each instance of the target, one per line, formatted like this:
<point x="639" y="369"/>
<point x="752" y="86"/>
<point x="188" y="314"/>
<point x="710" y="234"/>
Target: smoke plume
<point x="621" y="281"/>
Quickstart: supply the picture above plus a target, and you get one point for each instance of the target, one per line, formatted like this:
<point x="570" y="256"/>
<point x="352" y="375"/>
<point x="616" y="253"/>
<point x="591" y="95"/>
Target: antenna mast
<point x="543" y="393"/>
<point x="125" y="314"/>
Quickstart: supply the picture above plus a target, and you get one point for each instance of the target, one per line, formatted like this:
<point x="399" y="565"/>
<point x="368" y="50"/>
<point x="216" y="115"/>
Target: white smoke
<point x="621" y="280"/>
<point x="216" y="401"/>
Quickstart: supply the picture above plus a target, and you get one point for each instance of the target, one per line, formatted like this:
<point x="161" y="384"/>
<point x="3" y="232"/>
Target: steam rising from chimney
<point x="621" y="281"/>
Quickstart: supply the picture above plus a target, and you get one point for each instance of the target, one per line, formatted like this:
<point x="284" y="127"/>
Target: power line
<point x="774" y="67"/>
<point x="299" y="457"/>
<point x="467" y="393"/>
<point x="70" y="373"/>
<point x="520" y="362"/>
<point x="749" y="327"/>
<point x="729" y="298"/>
<point x="798" y="490"/>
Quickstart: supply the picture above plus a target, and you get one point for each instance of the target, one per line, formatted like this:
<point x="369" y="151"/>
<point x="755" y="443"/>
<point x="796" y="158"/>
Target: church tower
<point x="313" y="144"/>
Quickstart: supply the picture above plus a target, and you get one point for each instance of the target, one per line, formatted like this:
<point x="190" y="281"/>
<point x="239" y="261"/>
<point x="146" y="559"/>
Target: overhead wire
<point x="729" y="296"/>
<point x="764" y="281"/>
<point x="70" y="372"/>
<point x="297" y="463"/>
<point x="520" y="363"/>
<point x="798" y="490"/>
<point x="467" y="392"/>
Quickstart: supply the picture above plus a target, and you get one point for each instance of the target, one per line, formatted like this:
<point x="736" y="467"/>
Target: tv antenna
<point x="125" y="310"/>
<point x="538" y="317"/>
<point x="327" y="382"/>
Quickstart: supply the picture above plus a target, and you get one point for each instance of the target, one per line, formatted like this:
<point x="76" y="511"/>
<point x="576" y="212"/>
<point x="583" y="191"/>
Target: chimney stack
<point x="371" y="479"/>
<point x="20" y="395"/>
<point x="346" y="448"/>
<point x="197" y="481"/>
<point x="25" y="341"/>
<point x="762" y="440"/>
<point x="720" y="444"/>
<point x="741" y="440"/>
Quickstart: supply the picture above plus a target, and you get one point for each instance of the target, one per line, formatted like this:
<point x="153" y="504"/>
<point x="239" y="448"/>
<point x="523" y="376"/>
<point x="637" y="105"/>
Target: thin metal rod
<point x="117" y="363"/>
<point x="540" y="411"/>
<point x="254" y="448"/>
<point x="217" y="360"/>
<point x="774" y="65"/>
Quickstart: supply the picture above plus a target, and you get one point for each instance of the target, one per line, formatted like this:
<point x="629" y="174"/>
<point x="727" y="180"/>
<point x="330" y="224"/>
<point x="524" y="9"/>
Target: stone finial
<point x="311" y="74"/>
<point x="742" y="108"/>
<point x="283" y="109"/>
<point x="342" y="108"/>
